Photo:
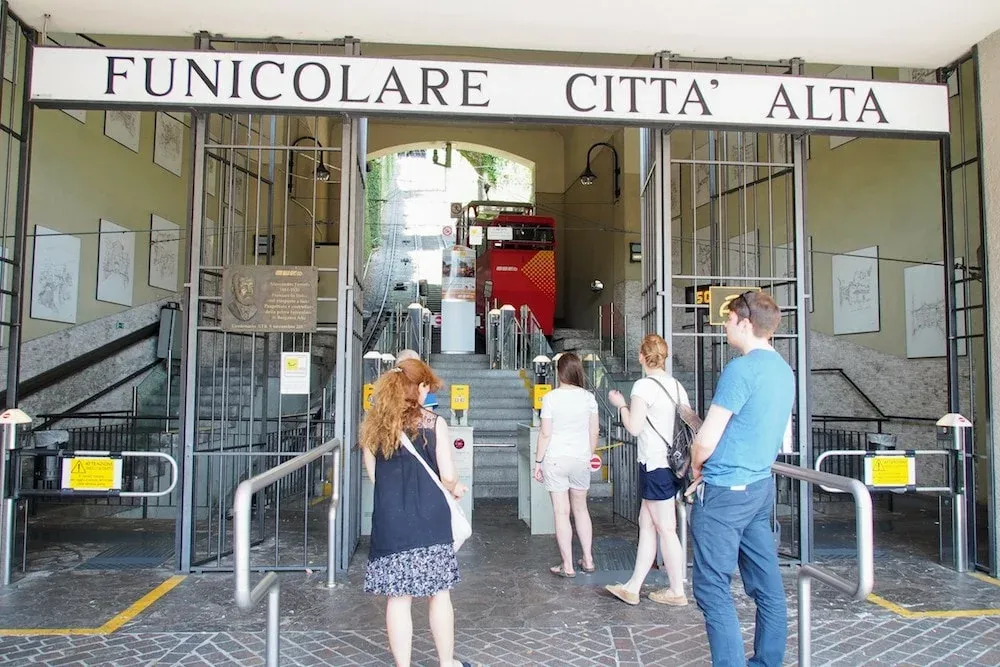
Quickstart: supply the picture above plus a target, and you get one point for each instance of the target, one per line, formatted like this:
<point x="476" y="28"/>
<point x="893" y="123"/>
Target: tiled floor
<point x="509" y="611"/>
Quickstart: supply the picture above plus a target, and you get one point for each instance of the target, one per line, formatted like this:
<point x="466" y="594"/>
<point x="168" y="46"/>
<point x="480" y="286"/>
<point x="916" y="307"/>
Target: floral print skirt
<point x="420" y="572"/>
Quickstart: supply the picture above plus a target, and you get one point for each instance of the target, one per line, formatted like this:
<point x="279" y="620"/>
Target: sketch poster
<point x="168" y="146"/>
<point x="925" y="312"/>
<point x="211" y="175"/>
<point x="784" y="267"/>
<point x="855" y="292"/>
<point x="164" y="252"/>
<point x="744" y="255"/>
<point x="740" y="147"/>
<point x="10" y="46"/>
<point x="55" y="276"/>
<point x="124" y="127"/>
<point x="115" y="264"/>
<point x="675" y="190"/>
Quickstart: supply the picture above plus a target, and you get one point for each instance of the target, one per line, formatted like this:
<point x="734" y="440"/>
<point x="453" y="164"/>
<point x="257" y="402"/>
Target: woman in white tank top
<point x="651" y="419"/>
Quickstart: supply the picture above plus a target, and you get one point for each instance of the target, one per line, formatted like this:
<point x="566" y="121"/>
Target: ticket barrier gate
<point x="80" y="474"/>
<point x="462" y="454"/>
<point x="895" y="470"/>
<point x="534" y="505"/>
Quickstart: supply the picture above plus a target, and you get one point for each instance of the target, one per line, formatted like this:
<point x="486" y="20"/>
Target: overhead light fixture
<point x="321" y="174"/>
<point x="588" y="177"/>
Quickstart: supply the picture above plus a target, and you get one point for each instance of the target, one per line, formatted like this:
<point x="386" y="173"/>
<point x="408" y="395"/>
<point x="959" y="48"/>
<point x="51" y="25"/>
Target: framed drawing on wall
<point x="743" y="256"/>
<point x="925" y="311"/>
<point x="164" y="253"/>
<point x="55" y="276"/>
<point x="124" y="127"/>
<point x="10" y="44"/>
<point x="211" y="174"/>
<point x="168" y="144"/>
<point x="856" y="305"/>
<point x="115" y="264"/>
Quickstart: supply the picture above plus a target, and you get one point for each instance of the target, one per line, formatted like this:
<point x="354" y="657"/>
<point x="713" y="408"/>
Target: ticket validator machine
<point x="462" y="444"/>
<point x="534" y="506"/>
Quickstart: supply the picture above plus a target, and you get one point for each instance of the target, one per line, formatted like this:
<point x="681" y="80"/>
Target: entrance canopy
<point x="895" y="33"/>
<point x="78" y="78"/>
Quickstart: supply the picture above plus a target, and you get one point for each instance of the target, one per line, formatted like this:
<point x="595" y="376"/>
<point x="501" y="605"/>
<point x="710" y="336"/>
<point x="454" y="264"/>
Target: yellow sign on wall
<point x="459" y="397"/>
<point x="719" y="298"/>
<point x="540" y="391"/>
<point x="893" y="471"/>
<point x="92" y="473"/>
<point x="366" y="396"/>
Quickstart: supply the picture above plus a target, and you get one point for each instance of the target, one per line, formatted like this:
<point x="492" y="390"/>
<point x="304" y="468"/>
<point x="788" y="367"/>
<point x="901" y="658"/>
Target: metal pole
<point x="189" y="341"/>
<point x="19" y="275"/>
<point x="331" y="559"/>
<point x="7" y="508"/>
<point x="805" y="619"/>
<point x="803" y="270"/>
<point x="273" y="623"/>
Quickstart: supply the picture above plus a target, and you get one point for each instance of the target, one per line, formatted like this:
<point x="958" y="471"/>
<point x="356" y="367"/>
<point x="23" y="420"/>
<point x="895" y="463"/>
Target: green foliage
<point x="376" y="193"/>
<point x="487" y="166"/>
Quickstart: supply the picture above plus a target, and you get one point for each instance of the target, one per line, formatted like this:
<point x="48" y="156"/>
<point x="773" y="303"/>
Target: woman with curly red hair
<point x="411" y="552"/>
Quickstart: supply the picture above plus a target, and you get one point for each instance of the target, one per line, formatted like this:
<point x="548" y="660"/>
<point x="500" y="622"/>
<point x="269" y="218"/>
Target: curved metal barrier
<point x="247" y="598"/>
<point x="859" y="589"/>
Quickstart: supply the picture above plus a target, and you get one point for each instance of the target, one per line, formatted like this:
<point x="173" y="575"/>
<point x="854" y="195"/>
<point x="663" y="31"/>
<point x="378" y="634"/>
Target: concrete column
<point x="989" y="85"/>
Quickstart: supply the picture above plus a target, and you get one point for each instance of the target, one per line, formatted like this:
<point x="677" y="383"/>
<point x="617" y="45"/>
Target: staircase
<point x="498" y="402"/>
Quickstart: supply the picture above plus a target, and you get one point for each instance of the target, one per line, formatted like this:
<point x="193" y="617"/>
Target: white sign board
<point x="499" y="233"/>
<point x="475" y="235"/>
<point x="294" y="373"/>
<point x="125" y="78"/>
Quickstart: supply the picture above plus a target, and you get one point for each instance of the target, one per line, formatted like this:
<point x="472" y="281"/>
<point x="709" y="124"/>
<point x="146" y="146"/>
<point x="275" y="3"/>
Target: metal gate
<point x="733" y="203"/>
<point x="269" y="190"/>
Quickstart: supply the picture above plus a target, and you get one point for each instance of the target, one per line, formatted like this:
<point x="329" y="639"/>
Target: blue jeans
<point x="732" y="528"/>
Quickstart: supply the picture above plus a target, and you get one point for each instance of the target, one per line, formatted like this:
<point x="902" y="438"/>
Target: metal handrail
<point x="247" y="598"/>
<point x="858" y="590"/>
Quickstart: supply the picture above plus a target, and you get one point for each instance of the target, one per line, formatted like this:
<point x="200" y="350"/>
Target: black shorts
<point x="659" y="484"/>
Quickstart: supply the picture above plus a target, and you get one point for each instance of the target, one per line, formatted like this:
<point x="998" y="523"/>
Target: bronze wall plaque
<point x="265" y="299"/>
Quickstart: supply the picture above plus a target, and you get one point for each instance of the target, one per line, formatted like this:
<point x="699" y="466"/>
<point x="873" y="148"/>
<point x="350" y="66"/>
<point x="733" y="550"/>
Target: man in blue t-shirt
<point x="746" y="425"/>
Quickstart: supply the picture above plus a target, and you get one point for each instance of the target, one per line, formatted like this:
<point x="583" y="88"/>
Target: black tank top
<point x="409" y="509"/>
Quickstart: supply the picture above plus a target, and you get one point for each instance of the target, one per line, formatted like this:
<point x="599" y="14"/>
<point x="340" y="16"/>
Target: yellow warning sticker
<point x="366" y="396"/>
<point x="890" y="471"/>
<point x="91" y="473"/>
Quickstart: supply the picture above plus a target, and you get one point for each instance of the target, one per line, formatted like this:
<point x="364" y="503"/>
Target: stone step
<point x="497" y="490"/>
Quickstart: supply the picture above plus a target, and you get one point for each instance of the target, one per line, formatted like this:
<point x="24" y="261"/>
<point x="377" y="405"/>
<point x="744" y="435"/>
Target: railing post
<point x="273" y="624"/>
<point x="331" y="557"/>
<point x="805" y="619"/>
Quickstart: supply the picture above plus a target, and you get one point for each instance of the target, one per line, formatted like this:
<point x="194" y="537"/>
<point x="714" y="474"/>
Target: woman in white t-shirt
<point x="651" y="419"/>
<point x="566" y="443"/>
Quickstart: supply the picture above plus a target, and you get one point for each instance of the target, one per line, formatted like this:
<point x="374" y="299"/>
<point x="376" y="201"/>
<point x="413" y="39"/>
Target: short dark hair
<point x="570" y="370"/>
<point x="758" y="307"/>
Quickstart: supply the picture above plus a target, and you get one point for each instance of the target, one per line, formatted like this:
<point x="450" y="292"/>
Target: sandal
<point x="560" y="572"/>
<point x="588" y="570"/>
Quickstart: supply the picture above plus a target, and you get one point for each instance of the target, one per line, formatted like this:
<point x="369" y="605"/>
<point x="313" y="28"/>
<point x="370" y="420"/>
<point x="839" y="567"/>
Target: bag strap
<point x="676" y="408"/>
<point x="660" y="385"/>
<point x="409" y="446"/>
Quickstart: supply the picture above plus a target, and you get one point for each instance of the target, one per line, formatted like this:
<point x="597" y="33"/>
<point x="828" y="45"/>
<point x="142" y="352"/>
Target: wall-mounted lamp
<point x="322" y="173"/>
<point x="635" y="252"/>
<point x="588" y="177"/>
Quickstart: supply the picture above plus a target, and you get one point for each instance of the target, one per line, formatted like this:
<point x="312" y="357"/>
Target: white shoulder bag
<point x="461" y="529"/>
